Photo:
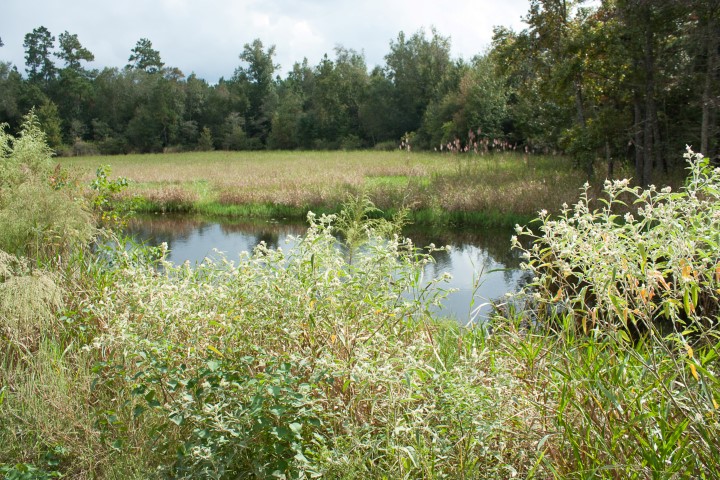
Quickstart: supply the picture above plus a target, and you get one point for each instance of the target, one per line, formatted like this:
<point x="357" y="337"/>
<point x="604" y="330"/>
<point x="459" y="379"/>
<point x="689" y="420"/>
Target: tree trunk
<point x="650" y="107"/>
<point x="638" y="140"/>
<point x="660" y="159"/>
<point x="708" y="102"/>
<point x="579" y="102"/>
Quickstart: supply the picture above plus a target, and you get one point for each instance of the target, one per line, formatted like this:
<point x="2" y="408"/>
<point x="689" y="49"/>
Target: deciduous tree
<point x="256" y="77"/>
<point x="417" y="66"/>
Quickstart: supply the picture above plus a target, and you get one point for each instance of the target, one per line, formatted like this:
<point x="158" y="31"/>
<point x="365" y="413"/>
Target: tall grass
<point x="470" y="188"/>
<point x="315" y="361"/>
<point x="38" y="215"/>
<point x="47" y="406"/>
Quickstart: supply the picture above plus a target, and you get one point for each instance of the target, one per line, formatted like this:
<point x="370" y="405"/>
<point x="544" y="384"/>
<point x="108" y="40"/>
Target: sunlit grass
<point x="459" y="186"/>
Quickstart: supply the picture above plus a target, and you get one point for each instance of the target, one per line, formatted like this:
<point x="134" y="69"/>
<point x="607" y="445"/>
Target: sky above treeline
<point x="206" y="37"/>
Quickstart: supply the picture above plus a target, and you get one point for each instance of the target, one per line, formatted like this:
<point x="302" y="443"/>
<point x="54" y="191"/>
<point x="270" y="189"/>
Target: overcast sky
<point x="206" y="36"/>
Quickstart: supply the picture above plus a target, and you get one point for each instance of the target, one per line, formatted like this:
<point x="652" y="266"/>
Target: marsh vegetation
<point x="495" y="189"/>
<point x="315" y="361"/>
<point x="310" y="362"/>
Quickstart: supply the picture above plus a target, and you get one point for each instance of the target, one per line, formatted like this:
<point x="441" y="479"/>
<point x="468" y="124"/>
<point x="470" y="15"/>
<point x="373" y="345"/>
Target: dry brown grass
<point x="505" y="183"/>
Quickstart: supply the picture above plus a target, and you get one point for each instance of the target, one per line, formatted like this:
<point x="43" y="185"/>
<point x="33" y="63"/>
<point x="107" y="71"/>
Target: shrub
<point x="612" y="406"/>
<point x="252" y="370"/>
<point x="40" y="215"/>
<point x="25" y="157"/>
<point x="351" y="142"/>
<point x="386" y="146"/>
<point x="206" y="142"/>
<point x="114" y="146"/>
<point x="658" y="264"/>
<point x="107" y="201"/>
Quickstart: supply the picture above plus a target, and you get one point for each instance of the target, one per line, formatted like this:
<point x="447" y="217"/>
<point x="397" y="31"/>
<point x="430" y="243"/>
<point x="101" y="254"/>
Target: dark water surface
<point x="482" y="266"/>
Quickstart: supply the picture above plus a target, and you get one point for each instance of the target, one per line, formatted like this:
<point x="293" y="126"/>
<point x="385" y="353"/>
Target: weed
<point x="626" y="380"/>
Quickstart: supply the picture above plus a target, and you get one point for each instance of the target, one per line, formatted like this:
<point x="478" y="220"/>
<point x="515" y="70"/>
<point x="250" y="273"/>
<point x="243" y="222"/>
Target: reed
<point x="464" y="187"/>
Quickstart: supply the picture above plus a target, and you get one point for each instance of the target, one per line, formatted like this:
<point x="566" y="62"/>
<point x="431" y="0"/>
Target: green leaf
<point x="178" y="419"/>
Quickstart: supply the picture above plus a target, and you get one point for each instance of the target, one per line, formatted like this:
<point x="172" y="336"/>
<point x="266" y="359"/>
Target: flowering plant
<point x="645" y="259"/>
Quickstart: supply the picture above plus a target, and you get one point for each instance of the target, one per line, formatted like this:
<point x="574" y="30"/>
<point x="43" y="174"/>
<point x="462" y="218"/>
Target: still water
<point x="480" y="261"/>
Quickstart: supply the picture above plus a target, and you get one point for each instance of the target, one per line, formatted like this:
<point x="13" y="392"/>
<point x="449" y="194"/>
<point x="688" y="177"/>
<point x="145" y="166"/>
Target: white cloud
<point x="207" y="37"/>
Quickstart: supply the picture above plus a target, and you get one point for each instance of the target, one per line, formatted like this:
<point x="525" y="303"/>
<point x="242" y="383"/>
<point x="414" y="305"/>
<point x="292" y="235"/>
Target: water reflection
<point x="482" y="265"/>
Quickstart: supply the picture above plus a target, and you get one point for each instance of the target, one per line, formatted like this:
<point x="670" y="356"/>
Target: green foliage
<point x="11" y="85"/>
<point x="26" y="157"/>
<point x="285" y="121"/>
<point x="24" y="471"/>
<point x="608" y="270"/>
<point x="256" y="78"/>
<point x="39" y="65"/>
<point x="205" y="143"/>
<point x="72" y="51"/>
<point x="254" y="370"/>
<point x="144" y="57"/>
<point x="309" y="363"/>
<point x="634" y="302"/>
<point x="359" y="221"/>
<point x="417" y="65"/>
<point x="112" y="210"/>
<point x="38" y="215"/>
<point x="583" y="78"/>
<point x="51" y="123"/>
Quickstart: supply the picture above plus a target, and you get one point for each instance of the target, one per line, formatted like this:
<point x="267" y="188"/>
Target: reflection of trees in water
<point x="270" y="228"/>
<point x="525" y="279"/>
<point x="443" y="261"/>
<point x="272" y="233"/>
<point x="496" y="242"/>
<point x="155" y="229"/>
<point x="485" y="246"/>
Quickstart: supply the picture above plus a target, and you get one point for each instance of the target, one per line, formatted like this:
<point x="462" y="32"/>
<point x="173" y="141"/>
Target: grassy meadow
<point x="501" y="188"/>
<point x="320" y="362"/>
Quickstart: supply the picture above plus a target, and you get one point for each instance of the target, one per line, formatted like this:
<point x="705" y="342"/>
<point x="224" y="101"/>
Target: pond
<point x="480" y="261"/>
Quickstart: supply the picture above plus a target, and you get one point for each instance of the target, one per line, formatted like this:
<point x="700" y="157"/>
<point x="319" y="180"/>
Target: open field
<point x="499" y="188"/>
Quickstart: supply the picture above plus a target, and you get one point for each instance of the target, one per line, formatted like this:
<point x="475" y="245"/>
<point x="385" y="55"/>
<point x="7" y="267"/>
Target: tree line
<point x="633" y="80"/>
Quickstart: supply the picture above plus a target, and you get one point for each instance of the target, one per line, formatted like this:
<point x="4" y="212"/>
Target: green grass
<point x="442" y="189"/>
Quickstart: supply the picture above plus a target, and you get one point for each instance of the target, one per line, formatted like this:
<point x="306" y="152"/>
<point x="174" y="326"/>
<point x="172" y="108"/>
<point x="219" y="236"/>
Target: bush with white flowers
<point x="644" y="258"/>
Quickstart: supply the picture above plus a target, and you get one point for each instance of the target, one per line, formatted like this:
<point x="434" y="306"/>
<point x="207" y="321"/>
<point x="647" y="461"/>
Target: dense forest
<point x="627" y="80"/>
